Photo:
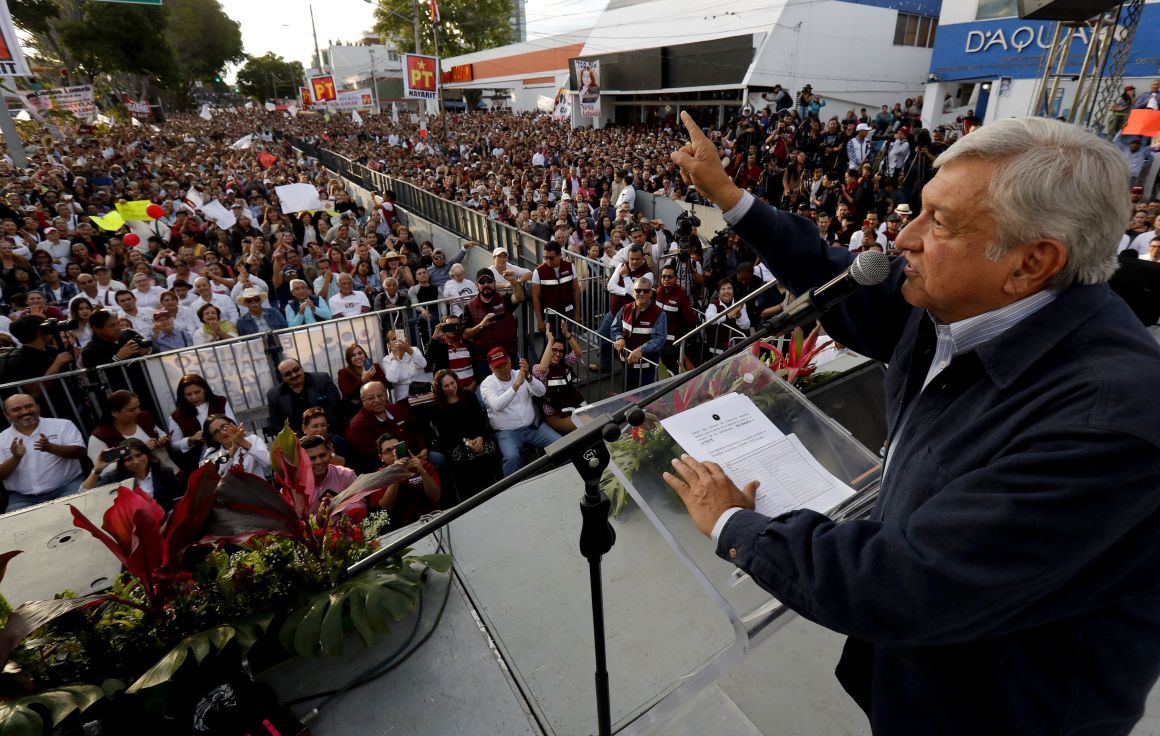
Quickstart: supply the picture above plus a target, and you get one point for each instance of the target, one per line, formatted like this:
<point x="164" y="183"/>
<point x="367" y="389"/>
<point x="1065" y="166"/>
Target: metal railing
<point x="601" y="386"/>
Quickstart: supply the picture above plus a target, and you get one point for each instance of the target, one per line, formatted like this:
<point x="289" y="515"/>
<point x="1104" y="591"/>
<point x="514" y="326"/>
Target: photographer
<point x="111" y="344"/>
<point x="42" y="352"/>
<point x="447" y="350"/>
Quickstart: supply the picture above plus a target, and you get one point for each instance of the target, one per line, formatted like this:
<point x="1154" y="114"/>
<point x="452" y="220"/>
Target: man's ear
<point x="1036" y="263"/>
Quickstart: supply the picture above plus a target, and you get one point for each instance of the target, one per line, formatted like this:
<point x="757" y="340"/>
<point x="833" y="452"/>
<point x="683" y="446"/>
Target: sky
<point x="284" y="26"/>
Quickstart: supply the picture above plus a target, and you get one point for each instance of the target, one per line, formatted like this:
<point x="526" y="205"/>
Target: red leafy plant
<point x="797" y="363"/>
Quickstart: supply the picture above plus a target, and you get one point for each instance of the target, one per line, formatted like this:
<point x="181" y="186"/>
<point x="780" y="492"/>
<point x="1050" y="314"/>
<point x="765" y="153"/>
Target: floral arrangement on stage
<point x="242" y="569"/>
<point x="649" y="444"/>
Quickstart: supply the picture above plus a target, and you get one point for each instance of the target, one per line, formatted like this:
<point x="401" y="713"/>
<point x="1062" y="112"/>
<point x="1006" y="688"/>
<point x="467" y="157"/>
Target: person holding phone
<point x="360" y="369"/>
<point x="134" y="465"/>
<point x="410" y="498"/>
<point x="228" y="444"/>
<point x="124" y="418"/>
<point x="403" y="364"/>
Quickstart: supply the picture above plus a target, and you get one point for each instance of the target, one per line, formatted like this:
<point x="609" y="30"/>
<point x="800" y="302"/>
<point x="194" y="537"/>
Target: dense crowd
<point x="453" y="398"/>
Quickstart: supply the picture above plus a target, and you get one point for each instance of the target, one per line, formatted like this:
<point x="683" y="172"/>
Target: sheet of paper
<point x="732" y="432"/>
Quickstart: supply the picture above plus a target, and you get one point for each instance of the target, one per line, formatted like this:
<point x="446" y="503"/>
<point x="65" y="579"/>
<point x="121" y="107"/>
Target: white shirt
<point x="461" y="290"/>
<point x="177" y="438"/>
<point x="226" y="307"/>
<point x="96" y="447"/>
<point x="401" y="372"/>
<point x="142" y="321"/>
<point x="255" y="460"/>
<point x="508" y="408"/>
<point x="627" y="195"/>
<point x="501" y="282"/>
<point x="1140" y="242"/>
<point x="148" y="298"/>
<point x="39" y="472"/>
<point x="349" y="305"/>
<point x="857" y="238"/>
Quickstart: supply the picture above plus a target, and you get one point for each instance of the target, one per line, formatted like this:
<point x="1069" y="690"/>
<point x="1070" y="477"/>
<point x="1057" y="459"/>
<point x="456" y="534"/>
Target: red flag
<point x="434" y="12"/>
<point x="267" y="159"/>
<point x="1143" y="122"/>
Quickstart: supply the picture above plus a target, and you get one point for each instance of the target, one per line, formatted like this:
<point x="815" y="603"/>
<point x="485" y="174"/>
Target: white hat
<point x="565" y="197"/>
<point x="251" y="293"/>
<point x="861" y="127"/>
<point x="499" y="250"/>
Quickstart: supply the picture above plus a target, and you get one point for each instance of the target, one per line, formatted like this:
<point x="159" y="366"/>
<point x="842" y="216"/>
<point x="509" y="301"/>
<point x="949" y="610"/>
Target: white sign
<point x="12" y="62"/>
<point x="298" y="197"/>
<point x="352" y="99"/>
<point x="77" y="100"/>
<point x="588" y="81"/>
<point x="217" y="212"/>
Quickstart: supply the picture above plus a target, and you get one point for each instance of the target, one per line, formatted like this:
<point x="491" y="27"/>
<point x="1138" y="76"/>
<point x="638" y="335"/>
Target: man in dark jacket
<point x="1008" y="578"/>
<point x="298" y="392"/>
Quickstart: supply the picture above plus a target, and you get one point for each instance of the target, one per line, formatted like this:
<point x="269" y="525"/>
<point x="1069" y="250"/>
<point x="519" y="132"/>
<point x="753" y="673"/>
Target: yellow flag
<point x="112" y="221"/>
<point x="134" y="210"/>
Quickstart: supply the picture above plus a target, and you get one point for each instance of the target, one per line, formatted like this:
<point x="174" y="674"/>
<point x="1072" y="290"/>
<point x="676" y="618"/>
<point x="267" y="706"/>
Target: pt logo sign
<point x="323" y="89"/>
<point x="420" y="77"/>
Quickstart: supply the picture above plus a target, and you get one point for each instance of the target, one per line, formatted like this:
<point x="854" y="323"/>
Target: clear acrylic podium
<point x="753" y="613"/>
<point x="678" y="618"/>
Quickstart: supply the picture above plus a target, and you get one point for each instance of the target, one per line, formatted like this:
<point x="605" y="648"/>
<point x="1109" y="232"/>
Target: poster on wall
<point x="588" y="81"/>
<point x="1004" y="86"/>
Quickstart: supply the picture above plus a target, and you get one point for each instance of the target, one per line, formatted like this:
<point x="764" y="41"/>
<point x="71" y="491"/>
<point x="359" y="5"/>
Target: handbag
<point x="461" y="453"/>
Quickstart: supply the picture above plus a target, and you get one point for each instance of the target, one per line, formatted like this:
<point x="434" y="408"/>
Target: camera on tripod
<point x="686" y="221"/>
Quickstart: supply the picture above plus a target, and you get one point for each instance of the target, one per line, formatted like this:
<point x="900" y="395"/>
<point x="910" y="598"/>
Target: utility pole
<point x="317" y="53"/>
<point x="439" y="81"/>
<point x="8" y="127"/>
<point x="418" y="30"/>
<point x="374" y="83"/>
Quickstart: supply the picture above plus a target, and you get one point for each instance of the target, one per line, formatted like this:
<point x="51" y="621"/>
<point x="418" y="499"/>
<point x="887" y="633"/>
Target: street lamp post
<point x="374" y="83"/>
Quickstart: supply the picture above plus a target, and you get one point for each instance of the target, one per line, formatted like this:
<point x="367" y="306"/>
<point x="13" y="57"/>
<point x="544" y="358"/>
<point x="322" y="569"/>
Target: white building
<point x="352" y="63"/>
<point x="657" y="56"/>
<point x="989" y="61"/>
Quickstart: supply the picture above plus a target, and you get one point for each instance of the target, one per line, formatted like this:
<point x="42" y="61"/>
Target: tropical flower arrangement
<point x="649" y="444"/>
<point x="240" y="565"/>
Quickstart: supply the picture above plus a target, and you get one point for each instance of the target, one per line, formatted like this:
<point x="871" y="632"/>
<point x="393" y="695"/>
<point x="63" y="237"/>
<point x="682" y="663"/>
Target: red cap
<point x="496" y="357"/>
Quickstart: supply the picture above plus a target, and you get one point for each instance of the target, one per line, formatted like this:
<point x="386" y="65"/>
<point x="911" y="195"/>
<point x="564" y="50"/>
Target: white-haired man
<point x="1007" y="578"/>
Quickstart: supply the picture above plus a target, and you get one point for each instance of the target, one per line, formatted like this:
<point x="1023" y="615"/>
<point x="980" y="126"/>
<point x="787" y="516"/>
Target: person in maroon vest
<point x="679" y="314"/>
<point x="555" y="370"/>
<point x="124" y="418"/>
<point x="734" y="324"/>
<point x="643" y="327"/>
<point x="448" y="350"/>
<point x="490" y="320"/>
<point x="378" y="416"/>
<point x="554" y="286"/>
<point x="195" y="401"/>
<point x="620" y="294"/>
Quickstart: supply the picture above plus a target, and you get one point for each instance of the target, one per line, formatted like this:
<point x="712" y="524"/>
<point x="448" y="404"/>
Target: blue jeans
<point x="18" y="501"/>
<point x="606" y="347"/>
<point x="511" y="441"/>
<point x="436" y="459"/>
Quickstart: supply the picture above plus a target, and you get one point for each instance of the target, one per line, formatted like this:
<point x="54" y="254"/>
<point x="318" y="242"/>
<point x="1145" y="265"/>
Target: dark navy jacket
<point x="1008" y="578"/>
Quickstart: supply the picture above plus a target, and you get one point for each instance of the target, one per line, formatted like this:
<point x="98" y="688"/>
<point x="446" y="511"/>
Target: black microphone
<point x="869" y="268"/>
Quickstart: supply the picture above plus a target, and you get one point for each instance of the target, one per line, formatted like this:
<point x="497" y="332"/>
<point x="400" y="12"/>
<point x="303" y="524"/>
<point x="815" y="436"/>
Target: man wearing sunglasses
<point x="490" y="319"/>
<point x="642" y="335"/>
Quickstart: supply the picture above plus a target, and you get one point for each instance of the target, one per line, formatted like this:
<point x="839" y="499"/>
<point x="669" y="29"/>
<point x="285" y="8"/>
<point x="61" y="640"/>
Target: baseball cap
<point x="484" y="273"/>
<point x="496" y="357"/>
<point x="499" y="250"/>
<point x="862" y="126"/>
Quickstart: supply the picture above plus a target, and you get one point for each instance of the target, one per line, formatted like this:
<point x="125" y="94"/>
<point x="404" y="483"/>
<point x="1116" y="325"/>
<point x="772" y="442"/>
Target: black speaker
<point x="857" y="401"/>
<point x="1073" y="10"/>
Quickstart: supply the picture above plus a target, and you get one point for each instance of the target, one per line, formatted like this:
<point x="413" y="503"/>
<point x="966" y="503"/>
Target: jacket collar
<point x="1016" y="350"/>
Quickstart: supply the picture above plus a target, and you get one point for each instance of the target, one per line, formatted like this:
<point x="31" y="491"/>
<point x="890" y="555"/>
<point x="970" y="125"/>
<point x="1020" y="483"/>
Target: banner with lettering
<point x="353" y="99"/>
<point x="420" y="77"/>
<point x="323" y="88"/>
<point x="588" y="83"/>
<point x="77" y="100"/>
<point x="12" y="62"/>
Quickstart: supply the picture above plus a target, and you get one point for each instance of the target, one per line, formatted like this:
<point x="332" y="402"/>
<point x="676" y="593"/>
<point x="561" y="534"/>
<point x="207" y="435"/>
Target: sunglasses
<point x="643" y="291"/>
<point x="485" y="280"/>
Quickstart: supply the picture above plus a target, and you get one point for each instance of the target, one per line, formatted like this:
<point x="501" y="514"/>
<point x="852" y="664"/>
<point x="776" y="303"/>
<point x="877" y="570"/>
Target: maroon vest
<point x="188" y="422"/>
<point x="616" y="302"/>
<point x="636" y="329"/>
<point x="108" y="433"/>
<point x="562" y="393"/>
<point x="556" y="292"/>
<point x="720" y="335"/>
<point x="502" y="331"/>
<point x="670" y="300"/>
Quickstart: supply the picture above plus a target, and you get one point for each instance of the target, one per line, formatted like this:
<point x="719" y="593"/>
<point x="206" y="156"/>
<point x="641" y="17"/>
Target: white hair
<point x="1057" y="181"/>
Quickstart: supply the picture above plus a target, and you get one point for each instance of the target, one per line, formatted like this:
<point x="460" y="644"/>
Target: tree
<point x="467" y="25"/>
<point x="204" y="39"/>
<point x="268" y="76"/>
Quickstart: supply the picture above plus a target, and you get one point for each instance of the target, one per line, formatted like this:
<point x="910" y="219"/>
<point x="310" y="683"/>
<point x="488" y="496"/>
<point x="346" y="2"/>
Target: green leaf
<point x="330" y="636"/>
<point x="200" y="645"/>
<point x="163" y="670"/>
<point x="306" y="638"/>
<point x="17" y="717"/>
<point x="437" y="562"/>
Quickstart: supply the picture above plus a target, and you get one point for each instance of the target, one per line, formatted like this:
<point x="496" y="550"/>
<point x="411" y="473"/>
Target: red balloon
<point x="132" y="239"/>
<point x="155" y="211"/>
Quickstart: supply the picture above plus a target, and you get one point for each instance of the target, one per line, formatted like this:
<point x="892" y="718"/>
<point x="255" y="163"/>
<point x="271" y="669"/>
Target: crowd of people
<point x="454" y="397"/>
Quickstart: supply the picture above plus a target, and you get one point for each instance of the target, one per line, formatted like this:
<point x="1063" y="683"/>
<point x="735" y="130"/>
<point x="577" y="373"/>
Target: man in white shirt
<point x="348" y="302"/>
<point x="148" y="294"/>
<point x="627" y="195"/>
<point x="141" y="317"/>
<point x="106" y="284"/>
<point x="866" y="237"/>
<point x="39" y="458"/>
<point x="60" y="250"/>
<point x="505" y="271"/>
<point x="508" y="399"/>
<point x="205" y="295"/>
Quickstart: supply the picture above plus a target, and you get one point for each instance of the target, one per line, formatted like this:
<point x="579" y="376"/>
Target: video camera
<point x="132" y="336"/>
<point x="686" y="221"/>
<point x="57" y="327"/>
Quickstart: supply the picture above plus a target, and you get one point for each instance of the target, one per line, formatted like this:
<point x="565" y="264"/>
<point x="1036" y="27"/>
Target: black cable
<point x="393" y="660"/>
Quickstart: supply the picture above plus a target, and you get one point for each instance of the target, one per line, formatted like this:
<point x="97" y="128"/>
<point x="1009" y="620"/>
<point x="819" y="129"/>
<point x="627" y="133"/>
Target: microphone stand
<point x="585" y="447"/>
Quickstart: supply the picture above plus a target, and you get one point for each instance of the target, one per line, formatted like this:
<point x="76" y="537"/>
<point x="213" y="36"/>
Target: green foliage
<point x="268" y="76"/>
<point x="467" y="25"/>
<point x="204" y="39"/>
<point x="23" y="717"/>
<point x="245" y="633"/>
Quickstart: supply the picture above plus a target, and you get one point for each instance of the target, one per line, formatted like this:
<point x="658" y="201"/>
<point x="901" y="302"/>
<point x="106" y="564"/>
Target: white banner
<point x="77" y="100"/>
<point x="12" y="62"/>
<point x="562" y="107"/>
<point x="298" y="197"/>
<point x="588" y="82"/>
<point x="352" y="99"/>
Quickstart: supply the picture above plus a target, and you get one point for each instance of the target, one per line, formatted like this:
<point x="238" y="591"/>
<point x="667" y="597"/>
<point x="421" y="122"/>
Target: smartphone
<point x="401" y="451"/>
<point x="367" y="364"/>
<point x="114" y="454"/>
